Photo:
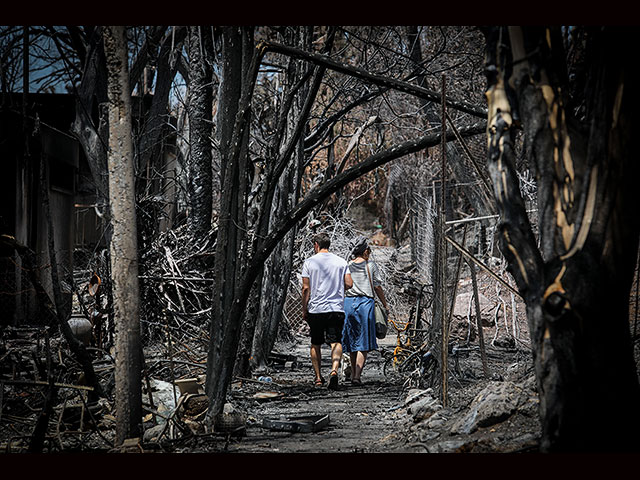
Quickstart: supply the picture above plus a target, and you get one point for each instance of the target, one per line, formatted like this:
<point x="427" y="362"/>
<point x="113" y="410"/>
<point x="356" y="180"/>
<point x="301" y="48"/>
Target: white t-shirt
<point x="325" y="272"/>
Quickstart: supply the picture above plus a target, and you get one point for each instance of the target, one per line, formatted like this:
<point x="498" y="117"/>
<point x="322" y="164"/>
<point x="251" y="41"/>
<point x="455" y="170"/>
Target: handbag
<point x="380" y="311"/>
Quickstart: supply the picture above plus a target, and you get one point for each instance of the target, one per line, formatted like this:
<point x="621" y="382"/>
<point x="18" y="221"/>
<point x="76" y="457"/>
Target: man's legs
<point x="336" y="356"/>
<point x="335" y="324"/>
<point x="326" y="327"/>
<point x="316" y="359"/>
<point x="316" y="330"/>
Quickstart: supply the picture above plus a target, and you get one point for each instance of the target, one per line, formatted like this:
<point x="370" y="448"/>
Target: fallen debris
<point x="305" y="424"/>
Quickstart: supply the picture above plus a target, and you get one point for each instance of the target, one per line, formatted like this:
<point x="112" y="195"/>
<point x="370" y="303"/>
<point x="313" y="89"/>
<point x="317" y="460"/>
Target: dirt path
<point x="378" y="416"/>
<point x="372" y="418"/>
<point x="361" y="419"/>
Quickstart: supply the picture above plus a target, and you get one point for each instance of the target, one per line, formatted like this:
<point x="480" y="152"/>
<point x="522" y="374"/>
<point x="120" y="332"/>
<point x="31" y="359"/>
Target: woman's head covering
<point x="359" y="245"/>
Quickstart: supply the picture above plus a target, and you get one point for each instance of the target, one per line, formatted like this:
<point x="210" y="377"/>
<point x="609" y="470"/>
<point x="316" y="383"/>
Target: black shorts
<point x="326" y="327"/>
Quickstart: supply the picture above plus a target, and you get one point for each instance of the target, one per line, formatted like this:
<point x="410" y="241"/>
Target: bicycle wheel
<point x="429" y="370"/>
<point x="416" y="370"/>
<point x="392" y="366"/>
<point x="411" y="371"/>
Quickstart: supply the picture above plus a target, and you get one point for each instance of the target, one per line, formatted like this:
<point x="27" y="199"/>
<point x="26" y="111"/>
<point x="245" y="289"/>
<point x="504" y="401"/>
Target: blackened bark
<point x="199" y="107"/>
<point x="240" y="66"/>
<point x="577" y="297"/>
<point x="246" y="362"/>
<point x="277" y="271"/>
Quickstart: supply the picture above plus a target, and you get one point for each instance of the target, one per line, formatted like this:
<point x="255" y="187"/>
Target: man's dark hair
<point x="323" y="240"/>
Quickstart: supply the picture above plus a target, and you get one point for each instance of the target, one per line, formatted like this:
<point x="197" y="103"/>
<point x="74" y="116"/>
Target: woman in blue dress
<point x="359" y="331"/>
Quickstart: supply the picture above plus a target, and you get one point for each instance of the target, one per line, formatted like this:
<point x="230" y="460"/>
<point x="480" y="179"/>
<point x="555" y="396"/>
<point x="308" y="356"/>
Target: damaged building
<point x="40" y="135"/>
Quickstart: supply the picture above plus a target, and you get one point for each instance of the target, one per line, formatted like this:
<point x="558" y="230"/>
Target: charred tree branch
<point x="380" y="80"/>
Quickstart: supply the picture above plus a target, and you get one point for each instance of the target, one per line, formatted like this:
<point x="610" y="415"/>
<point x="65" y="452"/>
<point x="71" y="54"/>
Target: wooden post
<point x="443" y="252"/>
<point x="457" y="279"/>
<point x="476" y="297"/>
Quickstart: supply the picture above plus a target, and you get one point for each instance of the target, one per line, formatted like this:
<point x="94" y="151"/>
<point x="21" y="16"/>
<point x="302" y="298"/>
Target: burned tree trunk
<point x="277" y="271"/>
<point x="200" y="130"/>
<point x="277" y="274"/>
<point x="577" y="287"/>
<point x="240" y="66"/>
<point x="124" y="249"/>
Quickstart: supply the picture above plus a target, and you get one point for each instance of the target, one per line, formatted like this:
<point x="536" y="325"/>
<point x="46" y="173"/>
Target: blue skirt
<point x="359" y="331"/>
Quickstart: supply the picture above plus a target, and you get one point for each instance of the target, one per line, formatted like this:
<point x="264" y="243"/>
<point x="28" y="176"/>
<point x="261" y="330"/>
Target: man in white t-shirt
<point x="325" y="277"/>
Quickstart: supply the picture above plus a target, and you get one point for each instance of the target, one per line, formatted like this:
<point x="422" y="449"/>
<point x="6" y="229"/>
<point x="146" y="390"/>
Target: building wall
<point x="22" y="214"/>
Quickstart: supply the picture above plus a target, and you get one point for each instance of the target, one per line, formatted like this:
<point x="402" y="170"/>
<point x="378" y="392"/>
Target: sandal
<point x="333" y="380"/>
<point x="356" y="382"/>
<point x="319" y="382"/>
